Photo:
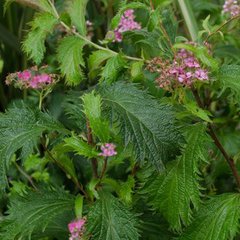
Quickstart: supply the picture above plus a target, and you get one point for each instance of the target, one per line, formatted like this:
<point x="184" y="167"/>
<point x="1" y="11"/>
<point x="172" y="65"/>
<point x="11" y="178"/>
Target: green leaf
<point x="80" y="147"/>
<point x="34" y="43"/>
<point x="59" y="153"/>
<point x="77" y="11"/>
<point x="37" y="212"/>
<point x="177" y="191"/>
<point x="109" y="219"/>
<point x="92" y="109"/>
<point x="20" y="129"/>
<point x="137" y="70"/>
<point x="229" y="78"/>
<point x="144" y="122"/>
<point x="217" y="219"/>
<point x="112" y="68"/>
<point x="193" y="108"/>
<point x="70" y="58"/>
<point x="96" y="59"/>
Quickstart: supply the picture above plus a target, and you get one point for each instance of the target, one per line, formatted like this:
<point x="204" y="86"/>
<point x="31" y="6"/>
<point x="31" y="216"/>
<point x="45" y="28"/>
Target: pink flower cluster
<point x="126" y="23"/>
<point x="30" y="79"/>
<point x="184" y="70"/>
<point x="232" y="7"/>
<point x="76" y="228"/>
<point x="108" y="150"/>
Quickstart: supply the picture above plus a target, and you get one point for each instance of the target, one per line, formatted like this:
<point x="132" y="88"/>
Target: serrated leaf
<point x="34" y="43"/>
<point x="77" y="11"/>
<point x="96" y="59"/>
<point x="37" y="212"/>
<point x="92" y="108"/>
<point x="217" y="219"/>
<point x="229" y="78"/>
<point x="109" y="219"/>
<point x="176" y="191"/>
<point x="112" y="68"/>
<point x="70" y="58"/>
<point x="20" y="129"/>
<point x="80" y="147"/>
<point x="144" y="122"/>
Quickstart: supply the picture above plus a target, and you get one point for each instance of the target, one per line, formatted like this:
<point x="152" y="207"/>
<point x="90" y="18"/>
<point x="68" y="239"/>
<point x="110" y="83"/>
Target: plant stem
<point x="29" y="178"/>
<point x="218" y="144"/>
<point x="90" y="142"/>
<point x="104" y="168"/>
<point x="40" y="100"/>
<point x="222" y="26"/>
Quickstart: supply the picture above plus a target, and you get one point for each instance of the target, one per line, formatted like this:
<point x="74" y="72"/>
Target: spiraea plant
<point x="129" y="124"/>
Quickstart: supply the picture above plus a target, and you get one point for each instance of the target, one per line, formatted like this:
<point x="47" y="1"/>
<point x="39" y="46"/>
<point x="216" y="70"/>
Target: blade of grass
<point x="190" y="20"/>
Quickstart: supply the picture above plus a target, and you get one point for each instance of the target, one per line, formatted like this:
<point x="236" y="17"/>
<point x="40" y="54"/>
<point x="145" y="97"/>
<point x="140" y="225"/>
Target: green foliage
<point x="92" y="109"/>
<point x="177" y="190"/>
<point x="109" y="219"/>
<point x="229" y="78"/>
<point x="77" y="11"/>
<point x="34" y="44"/>
<point x="70" y="58"/>
<point x="38" y="212"/>
<point x="81" y="147"/>
<point x="112" y="68"/>
<point x="96" y="59"/>
<point x="62" y="159"/>
<point x="144" y="122"/>
<point x="21" y="129"/>
<point x="217" y="219"/>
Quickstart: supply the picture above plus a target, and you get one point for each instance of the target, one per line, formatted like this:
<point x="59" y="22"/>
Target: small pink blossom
<point x="201" y="74"/>
<point x="127" y="23"/>
<point x="185" y="69"/>
<point x="25" y="75"/>
<point x="30" y="79"/>
<point x="232" y="7"/>
<point x="108" y="150"/>
<point x="76" y="228"/>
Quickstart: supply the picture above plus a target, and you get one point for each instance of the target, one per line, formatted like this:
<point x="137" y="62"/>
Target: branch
<point x="218" y="144"/>
<point x="104" y="168"/>
<point x="222" y="26"/>
<point x="90" y="142"/>
<point x="29" y="178"/>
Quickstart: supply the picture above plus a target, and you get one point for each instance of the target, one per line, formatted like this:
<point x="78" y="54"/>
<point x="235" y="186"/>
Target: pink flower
<point x="201" y="74"/>
<point x="76" y="228"/>
<point x="232" y="7"/>
<point x="108" y="150"/>
<point x="25" y="75"/>
<point x="44" y="78"/>
<point x="126" y="23"/>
